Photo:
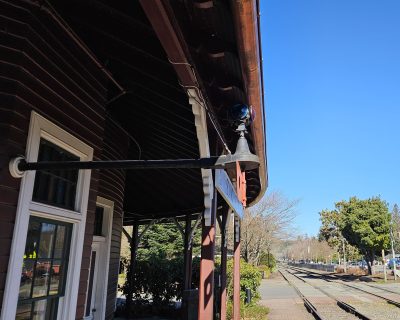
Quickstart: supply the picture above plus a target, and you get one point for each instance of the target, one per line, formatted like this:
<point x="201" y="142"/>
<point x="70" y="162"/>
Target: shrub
<point x="268" y="259"/>
<point x="248" y="312"/>
<point x="158" y="278"/>
<point x="264" y="269"/>
<point x="250" y="277"/>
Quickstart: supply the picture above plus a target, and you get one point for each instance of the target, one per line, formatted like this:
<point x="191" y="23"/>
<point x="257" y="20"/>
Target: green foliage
<point x="330" y="227"/>
<point x="161" y="240"/>
<point x="268" y="259"/>
<point x="331" y="232"/>
<point x="265" y="270"/>
<point x="250" y="277"/>
<point x="396" y="227"/>
<point x="158" y="278"/>
<point x="165" y="240"/>
<point x="158" y="271"/>
<point x="365" y="224"/>
<point x="248" y="312"/>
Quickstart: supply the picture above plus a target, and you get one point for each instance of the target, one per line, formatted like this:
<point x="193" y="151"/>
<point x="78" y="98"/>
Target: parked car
<point x="392" y="262"/>
<point x="363" y="264"/>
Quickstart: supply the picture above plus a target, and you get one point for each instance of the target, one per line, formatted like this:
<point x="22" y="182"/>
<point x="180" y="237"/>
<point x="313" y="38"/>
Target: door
<point x="93" y="309"/>
<point x="96" y="298"/>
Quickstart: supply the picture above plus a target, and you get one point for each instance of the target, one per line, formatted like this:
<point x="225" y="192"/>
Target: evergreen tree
<point x="365" y="224"/>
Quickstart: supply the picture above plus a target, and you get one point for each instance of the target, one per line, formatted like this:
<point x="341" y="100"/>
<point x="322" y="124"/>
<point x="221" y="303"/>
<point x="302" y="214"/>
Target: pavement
<point x="282" y="300"/>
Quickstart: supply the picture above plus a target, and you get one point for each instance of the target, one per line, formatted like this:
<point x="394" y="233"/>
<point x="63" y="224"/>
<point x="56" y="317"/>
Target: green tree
<point x="396" y="227"/>
<point x="165" y="240"/>
<point x="331" y="232"/>
<point x="162" y="240"/>
<point x="365" y="224"/>
<point x="330" y="227"/>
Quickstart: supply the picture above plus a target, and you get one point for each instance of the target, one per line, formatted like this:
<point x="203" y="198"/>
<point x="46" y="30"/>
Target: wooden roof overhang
<point x="220" y="42"/>
<point x="147" y="47"/>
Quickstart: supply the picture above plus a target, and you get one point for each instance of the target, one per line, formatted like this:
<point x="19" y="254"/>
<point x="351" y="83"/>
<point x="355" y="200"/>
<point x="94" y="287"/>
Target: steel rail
<point x="343" y="305"/>
<point x="309" y="306"/>
<point x="390" y="301"/>
<point x="365" y="284"/>
<point x="375" y="287"/>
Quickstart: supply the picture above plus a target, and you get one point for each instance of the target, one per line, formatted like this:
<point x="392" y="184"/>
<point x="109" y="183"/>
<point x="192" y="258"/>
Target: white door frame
<point x="102" y="245"/>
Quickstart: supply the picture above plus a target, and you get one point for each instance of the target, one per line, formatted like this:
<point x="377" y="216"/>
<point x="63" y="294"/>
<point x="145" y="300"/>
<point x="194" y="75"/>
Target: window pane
<point x="59" y="245"/>
<point x="98" y="221"/>
<point x="32" y="240"/>
<point x="55" y="277"/>
<point x="39" y="310"/>
<point x="23" y="311"/>
<point x="44" y="268"/>
<point x="26" y="279"/>
<point x="47" y="234"/>
<point x="41" y="281"/>
<point x="55" y="187"/>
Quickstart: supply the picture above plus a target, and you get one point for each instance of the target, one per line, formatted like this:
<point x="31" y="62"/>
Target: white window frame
<point x="43" y="128"/>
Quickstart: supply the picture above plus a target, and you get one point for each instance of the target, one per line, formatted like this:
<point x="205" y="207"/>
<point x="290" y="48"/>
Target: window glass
<point x="24" y="311"/>
<point x="55" y="187"/>
<point x="44" y="268"/>
<point x="46" y="240"/>
<point x="56" y="278"/>
<point x="98" y="221"/>
<point x="59" y="245"/>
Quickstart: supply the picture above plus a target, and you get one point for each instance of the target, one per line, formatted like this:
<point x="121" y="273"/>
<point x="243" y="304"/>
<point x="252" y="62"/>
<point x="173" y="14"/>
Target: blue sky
<point x="332" y="92"/>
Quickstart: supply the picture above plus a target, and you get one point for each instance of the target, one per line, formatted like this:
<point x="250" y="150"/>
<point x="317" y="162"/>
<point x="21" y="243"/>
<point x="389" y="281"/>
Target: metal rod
<point x="204" y="163"/>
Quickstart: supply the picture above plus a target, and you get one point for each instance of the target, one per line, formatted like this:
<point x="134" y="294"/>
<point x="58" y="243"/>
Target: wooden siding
<point x="111" y="187"/>
<point x="42" y="69"/>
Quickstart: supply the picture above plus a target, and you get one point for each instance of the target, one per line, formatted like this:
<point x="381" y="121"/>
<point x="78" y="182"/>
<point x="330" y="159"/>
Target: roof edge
<point x="247" y="26"/>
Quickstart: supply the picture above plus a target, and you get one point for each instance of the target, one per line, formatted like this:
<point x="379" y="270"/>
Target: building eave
<point x="247" y="25"/>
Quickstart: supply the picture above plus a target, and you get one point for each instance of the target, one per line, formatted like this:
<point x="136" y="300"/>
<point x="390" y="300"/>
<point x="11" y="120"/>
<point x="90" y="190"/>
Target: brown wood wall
<point x="41" y="69"/>
<point x="111" y="187"/>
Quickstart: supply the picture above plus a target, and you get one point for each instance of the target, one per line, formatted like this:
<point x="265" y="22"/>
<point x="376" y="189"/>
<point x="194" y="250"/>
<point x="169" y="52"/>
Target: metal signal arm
<point x="19" y="165"/>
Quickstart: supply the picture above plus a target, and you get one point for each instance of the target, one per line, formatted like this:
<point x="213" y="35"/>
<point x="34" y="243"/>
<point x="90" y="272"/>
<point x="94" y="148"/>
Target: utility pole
<point x="384" y="264"/>
<point x="393" y="253"/>
<point x="344" y="256"/>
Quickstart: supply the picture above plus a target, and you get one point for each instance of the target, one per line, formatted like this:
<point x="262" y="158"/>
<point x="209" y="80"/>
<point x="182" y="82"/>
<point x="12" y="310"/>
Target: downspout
<point x="247" y="26"/>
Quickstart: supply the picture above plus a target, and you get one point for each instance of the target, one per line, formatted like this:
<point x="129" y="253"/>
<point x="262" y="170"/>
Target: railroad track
<point x="338" y="278"/>
<point x="376" y="287"/>
<point x="329" y="278"/>
<point x="318" y="314"/>
<point x="318" y="310"/>
<point x="309" y="306"/>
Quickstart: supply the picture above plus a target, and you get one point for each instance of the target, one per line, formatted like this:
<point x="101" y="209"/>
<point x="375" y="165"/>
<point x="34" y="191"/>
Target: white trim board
<point x="200" y="119"/>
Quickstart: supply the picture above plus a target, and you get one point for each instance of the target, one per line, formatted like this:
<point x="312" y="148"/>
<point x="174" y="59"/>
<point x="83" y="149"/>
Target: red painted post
<point x="224" y="252"/>
<point x="236" y="271"/>
<point x="206" y="285"/>
<point x="241" y="193"/>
